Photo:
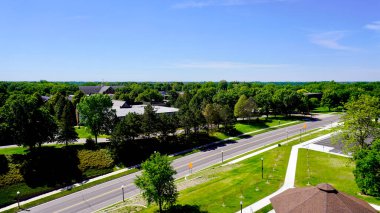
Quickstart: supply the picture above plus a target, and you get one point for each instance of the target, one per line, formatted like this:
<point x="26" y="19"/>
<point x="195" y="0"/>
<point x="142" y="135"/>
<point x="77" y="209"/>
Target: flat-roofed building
<point x="122" y="108"/>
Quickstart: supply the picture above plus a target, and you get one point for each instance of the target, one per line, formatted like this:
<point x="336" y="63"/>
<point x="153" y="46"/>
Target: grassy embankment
<point x="225" y="186"/>
<point x="328" y="168"/>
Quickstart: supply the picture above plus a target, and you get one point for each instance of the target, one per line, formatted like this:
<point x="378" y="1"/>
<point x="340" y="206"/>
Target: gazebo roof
<point x="321" y="198"/>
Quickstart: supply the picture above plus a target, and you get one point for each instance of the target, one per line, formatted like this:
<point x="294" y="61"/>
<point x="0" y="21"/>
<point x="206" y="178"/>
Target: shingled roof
<point x="322" y="198"/>
<point x="88" y="90"/>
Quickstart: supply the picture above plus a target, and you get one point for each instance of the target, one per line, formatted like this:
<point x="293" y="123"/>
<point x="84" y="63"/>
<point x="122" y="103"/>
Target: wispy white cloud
<point x="330" y="40"/>
<point x="225" y="65"/>
<point x="373" y="26"/>
<point x="216" y="3"/>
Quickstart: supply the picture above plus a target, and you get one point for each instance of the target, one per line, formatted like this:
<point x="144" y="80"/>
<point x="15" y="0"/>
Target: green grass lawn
<point x="243" y="127"/>
<point x="23" y="150"/>
<point x="13" y="150"/>
<point x="227" y="185"/>
<point x="84" y="132"/>
<point x="332" y="169"/>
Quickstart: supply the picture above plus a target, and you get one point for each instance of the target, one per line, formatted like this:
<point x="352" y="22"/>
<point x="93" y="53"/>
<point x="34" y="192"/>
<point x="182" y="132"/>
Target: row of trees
<point x="29" y="120"/>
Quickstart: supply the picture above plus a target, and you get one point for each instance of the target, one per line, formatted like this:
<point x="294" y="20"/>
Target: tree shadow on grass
<point x="48" y="166"/>
<point x="184" y="209"/>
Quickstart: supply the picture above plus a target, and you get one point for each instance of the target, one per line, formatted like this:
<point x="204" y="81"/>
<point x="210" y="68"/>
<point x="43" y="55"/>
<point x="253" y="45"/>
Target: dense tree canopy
<point x="367" y="171"/>
<point x="25" y="121"/>
<point x="360" y="122"/>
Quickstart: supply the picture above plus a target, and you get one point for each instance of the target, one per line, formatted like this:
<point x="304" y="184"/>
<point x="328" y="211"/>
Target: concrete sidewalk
<point x="289" y="178"/>
<point x="291" y="174"/>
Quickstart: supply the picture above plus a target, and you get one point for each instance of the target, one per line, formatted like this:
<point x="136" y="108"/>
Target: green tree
<point x="66" y="132"/>
<point x="360" y="122"/>
<point x="149" y="121"/>
<point x="367" y="170"/>
<point x="330" y="99"/>
<point x="78" y="95"/>
<point x="127" y="129"/>
<point x="226" y="116"/>
<point x="26" y="121"/>
<point x="149" y="95"/>
<point x="185" y="117"/>
<point x="96" y="113"/>
<point x="211" y="114"/>
<point x="264" y="101"/>
<point x="239" y="110"/>
<point x="245" y="107"/>
<point x="167" y="124"/>
<point x="157" y="182"/>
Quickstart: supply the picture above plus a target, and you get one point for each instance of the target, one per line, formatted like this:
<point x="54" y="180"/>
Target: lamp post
<point x="241" y="206"/>
<point x="222" y="156"/>
<point x="262" y="168"/>
<point x="122" y="192"/>
<point x="300" y="134"/>
<point x="18" y="199"/>
<point x="287" y="135"/>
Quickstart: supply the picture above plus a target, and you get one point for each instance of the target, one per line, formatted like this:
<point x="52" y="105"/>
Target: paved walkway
<point x="291" y="173"/>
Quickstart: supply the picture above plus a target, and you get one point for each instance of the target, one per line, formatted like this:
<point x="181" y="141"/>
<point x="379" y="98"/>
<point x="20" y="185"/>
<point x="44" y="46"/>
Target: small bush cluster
<point x="94" y="159"/>
<point x="13" y="176"/>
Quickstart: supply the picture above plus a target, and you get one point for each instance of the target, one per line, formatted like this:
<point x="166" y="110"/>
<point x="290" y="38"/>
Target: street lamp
<point x="222" y="156"/>
<point x="287" y="135"/>
<point x="241" y="206"/>
<point x="122" y="191"/>
<point x="18" y="199"/>
<point x="300" y="134"/>
<point x="262" y="168"/>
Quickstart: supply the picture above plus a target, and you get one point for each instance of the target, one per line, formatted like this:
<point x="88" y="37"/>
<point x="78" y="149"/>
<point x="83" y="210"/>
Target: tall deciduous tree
<point x="96" y="113"/>
<point x="360" y="122"/>
<point x="26" y="121"/>
<point x="245" y="107"/>
<point x="367" y="170"/>
<point x="157" y="182"/>
<point x="264" y="101"/>
<point x="239" y="110"/>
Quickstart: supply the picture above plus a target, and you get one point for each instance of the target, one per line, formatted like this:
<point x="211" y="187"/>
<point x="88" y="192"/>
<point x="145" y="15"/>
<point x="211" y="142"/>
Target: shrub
<point x="94" y="159"/>
<point x="12" y="176"/>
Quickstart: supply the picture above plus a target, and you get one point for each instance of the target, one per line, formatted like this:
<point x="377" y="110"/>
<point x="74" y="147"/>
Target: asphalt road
<point x="102" y="195"/>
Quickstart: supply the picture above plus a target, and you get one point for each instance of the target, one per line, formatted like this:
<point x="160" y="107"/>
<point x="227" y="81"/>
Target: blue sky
<point x="189" y="40"/>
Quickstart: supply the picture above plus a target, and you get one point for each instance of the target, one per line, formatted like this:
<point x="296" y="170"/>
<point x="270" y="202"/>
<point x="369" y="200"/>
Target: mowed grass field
<point x="227" y="185"/>
<point x="243" y="127"/>
<point x="328" y="168"/>
<point x="84" y="132"/>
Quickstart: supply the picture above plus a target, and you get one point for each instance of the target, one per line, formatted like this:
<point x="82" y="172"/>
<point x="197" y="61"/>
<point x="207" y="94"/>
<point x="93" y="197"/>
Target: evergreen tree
<point x="67" y="131"/>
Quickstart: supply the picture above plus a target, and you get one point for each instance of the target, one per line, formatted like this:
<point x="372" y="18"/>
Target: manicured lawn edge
<point x="291" y="141"/>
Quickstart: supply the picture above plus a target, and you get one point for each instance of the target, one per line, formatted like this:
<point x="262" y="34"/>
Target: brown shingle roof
<point x="320" y="199"/>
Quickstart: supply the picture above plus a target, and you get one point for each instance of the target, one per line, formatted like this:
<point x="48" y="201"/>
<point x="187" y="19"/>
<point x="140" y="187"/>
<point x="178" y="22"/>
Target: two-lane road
<point x="102" y="195"/>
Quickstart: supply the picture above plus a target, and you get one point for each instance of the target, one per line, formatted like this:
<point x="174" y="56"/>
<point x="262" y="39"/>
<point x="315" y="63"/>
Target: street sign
<point x="304" y="126"/>
<point x="190" y="165"/>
